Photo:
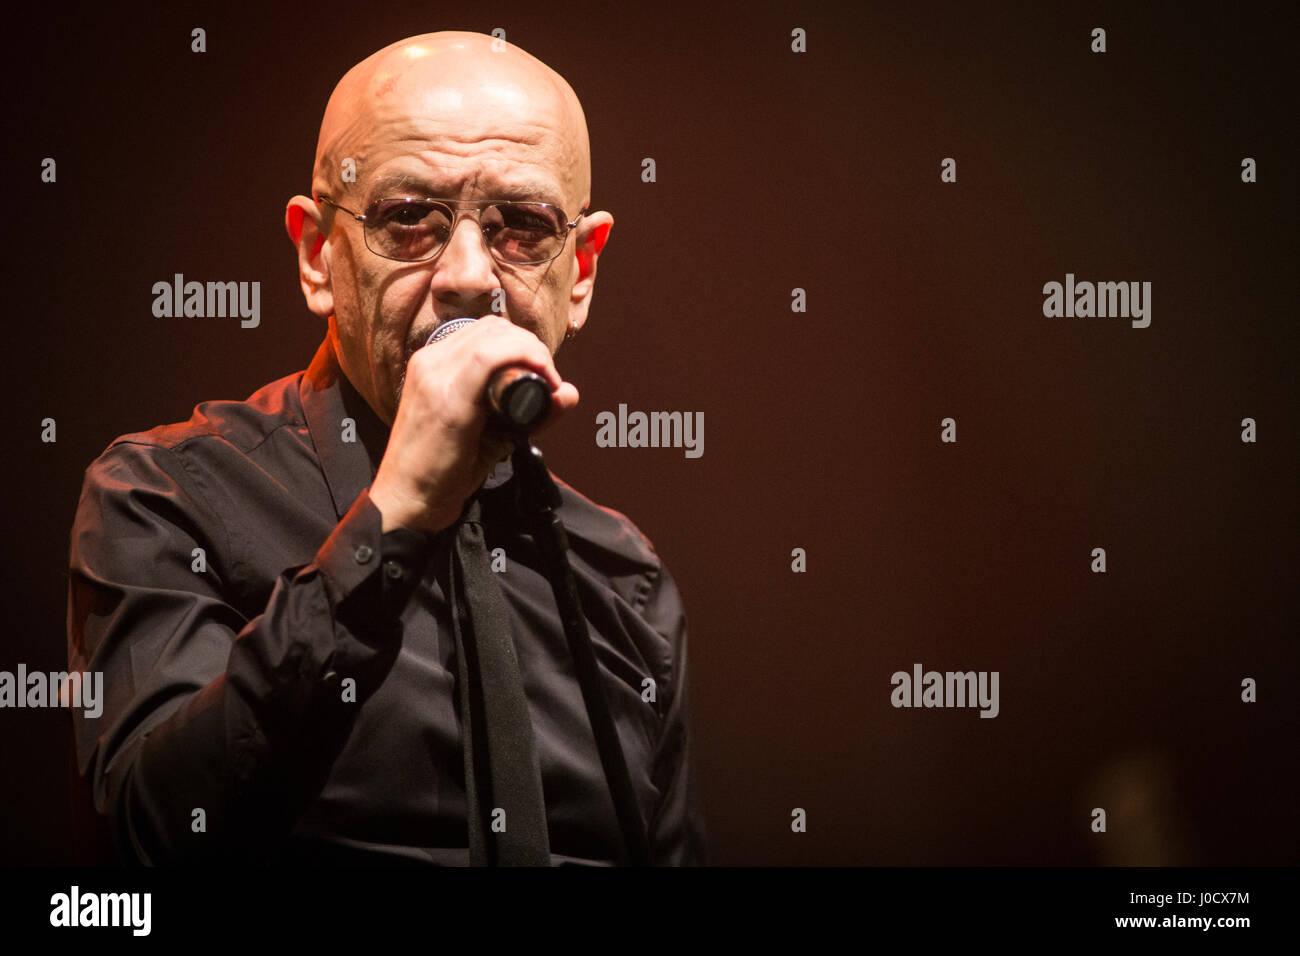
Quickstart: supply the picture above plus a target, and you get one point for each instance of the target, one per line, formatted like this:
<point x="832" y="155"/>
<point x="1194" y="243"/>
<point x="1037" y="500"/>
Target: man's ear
<point x="591" y="239"/>
<point x="302" y="220"/>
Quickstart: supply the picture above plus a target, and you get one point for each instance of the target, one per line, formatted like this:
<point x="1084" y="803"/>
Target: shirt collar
<point x="327" y="398"/>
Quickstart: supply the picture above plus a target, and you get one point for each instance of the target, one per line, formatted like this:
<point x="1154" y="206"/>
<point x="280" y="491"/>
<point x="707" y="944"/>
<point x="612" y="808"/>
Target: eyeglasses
<point x="413" y="230"/>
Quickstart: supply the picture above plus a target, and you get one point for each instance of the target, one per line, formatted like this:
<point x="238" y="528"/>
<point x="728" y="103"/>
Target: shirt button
<point x="364" y="553"/>
<point x="393" y="569"/>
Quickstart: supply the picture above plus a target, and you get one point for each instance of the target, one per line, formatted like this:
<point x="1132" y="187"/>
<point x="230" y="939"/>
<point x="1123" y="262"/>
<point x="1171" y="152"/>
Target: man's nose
<point x="465" y="268"/>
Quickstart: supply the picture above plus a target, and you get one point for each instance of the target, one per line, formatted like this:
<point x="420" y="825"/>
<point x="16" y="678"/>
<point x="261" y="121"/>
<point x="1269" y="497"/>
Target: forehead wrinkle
<point x="540" y="167"/>
<point x="443" y="144"/>
<point x="404" y="134"/>
<point x="446" y="134"/>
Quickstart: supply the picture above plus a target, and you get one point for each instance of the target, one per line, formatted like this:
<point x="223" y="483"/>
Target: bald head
<point x="461" y="87"/>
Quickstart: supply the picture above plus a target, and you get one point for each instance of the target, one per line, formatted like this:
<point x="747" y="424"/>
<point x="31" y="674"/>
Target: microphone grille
<point x="448" y="327"/>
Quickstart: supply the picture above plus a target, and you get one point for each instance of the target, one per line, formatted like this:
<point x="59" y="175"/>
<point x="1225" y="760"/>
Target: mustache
<point x="413" y="345"/>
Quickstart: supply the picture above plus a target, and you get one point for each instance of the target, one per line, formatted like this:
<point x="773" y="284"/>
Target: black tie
<point x="501" y="768"/>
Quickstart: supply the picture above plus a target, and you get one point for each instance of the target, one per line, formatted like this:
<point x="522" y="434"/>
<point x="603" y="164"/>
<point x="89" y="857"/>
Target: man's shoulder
<point x="609" y="549"/>
<point x="605" y="529"/>
<point x="239" y="425"/>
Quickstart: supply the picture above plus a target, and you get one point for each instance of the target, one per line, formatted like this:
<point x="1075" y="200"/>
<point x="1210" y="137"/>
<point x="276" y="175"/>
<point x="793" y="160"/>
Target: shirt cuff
<point x="404" y="553"/>
<point x="370" y="576"/>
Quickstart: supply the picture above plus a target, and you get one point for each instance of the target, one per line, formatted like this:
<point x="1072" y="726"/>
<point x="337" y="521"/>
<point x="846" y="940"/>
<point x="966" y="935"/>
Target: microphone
<point x="519" y="397"/>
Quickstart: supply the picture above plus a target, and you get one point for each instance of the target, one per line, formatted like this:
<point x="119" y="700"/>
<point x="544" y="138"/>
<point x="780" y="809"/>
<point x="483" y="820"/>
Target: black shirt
<point x="287" y="692"/>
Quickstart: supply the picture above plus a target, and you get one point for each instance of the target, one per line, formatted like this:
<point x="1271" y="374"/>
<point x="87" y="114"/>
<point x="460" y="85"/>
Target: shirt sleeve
<point x="217" y="730"/>
<point x="677" y="832"/>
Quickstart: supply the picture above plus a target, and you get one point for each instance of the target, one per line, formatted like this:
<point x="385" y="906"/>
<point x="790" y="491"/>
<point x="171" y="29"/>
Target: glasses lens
<point x="407" y="229"/>
<point x="524" y="231"/>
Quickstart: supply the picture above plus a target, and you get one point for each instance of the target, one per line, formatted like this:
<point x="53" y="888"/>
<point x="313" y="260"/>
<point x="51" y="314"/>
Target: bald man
<point x="268" y="587"/>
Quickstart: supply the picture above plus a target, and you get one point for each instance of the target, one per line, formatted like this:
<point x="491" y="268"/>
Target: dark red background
<point x="776" y="171"/>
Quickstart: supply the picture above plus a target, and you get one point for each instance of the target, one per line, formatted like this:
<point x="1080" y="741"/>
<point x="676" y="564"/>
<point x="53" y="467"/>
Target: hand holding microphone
<point x="520" y="398"/>
<point x="447" y="436"/>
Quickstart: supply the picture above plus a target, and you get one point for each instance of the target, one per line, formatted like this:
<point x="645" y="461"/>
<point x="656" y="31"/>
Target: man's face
<point x="465" y="129"/>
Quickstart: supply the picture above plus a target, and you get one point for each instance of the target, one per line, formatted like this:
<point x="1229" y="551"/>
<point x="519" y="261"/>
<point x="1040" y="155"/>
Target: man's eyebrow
<point x="399" y="184"/>
<point x="530" y="192"/>
<point x="395" y="185"/>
